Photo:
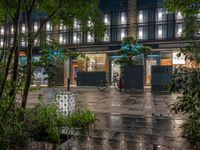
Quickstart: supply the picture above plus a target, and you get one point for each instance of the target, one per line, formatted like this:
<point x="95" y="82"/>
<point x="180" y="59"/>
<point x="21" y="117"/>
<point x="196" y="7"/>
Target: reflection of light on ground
<point x="123" y="143"/>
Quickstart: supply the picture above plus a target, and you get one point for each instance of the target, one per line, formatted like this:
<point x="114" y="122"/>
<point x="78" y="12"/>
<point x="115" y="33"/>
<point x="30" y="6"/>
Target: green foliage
<point x="80" y="119"/>
<point x="129" y="49"/>
<point x="187" y="81"/>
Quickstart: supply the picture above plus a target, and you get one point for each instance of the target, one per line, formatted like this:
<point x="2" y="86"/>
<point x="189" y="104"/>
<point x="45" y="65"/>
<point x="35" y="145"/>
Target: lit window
<point x="1" y="43"/>
<point x="12" y="29"/>
<point x="48" y="38"/>
<point x="23" y="41"/>
<point x="106" y="19"/>
<point x="160" y="14"/>
<point x="36" y="42"/>
<point x="90" y="37"/>
<point x="62" y="39"/>
<point x="49" y="26"/>
<point x="160" y="32"/>
<point x="140" y="33"/>
<point x="123" y="33"/>
<point x="106" y="36"/>
<point x="179" y="16"/>
<point x="179" y="30"/>
<point x="62" y="27"/>
<point x="23" y="28"/>
<point x="2" y="31"/>
<point x="76" y="24"/>
<point x="35" y="26"/>
<point x="76" y="38"/>
<point x="90" y="24"/>
<point x="140" y="17"/>
<point x="11" y="41"/>
<point x="123" y="18"/>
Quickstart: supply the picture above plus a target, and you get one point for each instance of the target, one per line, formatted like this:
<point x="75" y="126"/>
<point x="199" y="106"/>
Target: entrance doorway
<point x="149" y="63"/>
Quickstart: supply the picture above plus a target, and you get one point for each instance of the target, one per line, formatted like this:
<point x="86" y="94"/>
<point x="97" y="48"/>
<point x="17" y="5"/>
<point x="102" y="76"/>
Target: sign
<point x="178" y="60"/>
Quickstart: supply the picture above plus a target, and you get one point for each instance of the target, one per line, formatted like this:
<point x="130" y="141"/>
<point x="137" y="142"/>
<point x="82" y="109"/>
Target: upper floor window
<point x="23" y="41"/>
<point x="62" y="39"/>
<point x="77" y="24"/>
<point x="62" y="27"/>
<point x="36" y="26"/>
<point x="179" y="16"/>
<point x="107" y="19"/>
<point x="140" y="33"/>
<point x="1" y="43"/>
<point x="49" y="26"/>
<point x="106" y="36"/>
<point x="123" y="18"/>
<point x="36" y="42"/>
<point x="160" y="14"/>
<point x="179" y="30"/>
<point x="90" y="37"/>
<point x="90" y="24"/>
<point x="2" y="30"/>
<point x="140" y="16"/>
<point x="12" y="29"/>
<point x="123" y="34"/>
<point x="159" y="32"/>
<point x="23" y="28"/>
<point x="77" y="37"/>
<point x="48" y="37"/>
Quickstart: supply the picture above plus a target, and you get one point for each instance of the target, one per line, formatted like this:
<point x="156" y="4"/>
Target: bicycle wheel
<point x="116" y="85"/>
<point x="102" y="86"/>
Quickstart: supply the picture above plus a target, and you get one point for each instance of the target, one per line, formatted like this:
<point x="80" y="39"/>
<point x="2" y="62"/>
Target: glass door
<point x="149" y="62"/>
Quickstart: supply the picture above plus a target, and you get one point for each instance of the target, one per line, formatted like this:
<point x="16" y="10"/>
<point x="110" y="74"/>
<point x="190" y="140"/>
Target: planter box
<point x="160" y="77"/>
<point x="90" y="78"/>
<point x="133" y="76"/>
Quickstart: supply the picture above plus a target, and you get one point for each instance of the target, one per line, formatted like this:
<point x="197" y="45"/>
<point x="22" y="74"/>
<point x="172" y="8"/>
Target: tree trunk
<point x="15" y="45"/>
<point x="29" y="62"/>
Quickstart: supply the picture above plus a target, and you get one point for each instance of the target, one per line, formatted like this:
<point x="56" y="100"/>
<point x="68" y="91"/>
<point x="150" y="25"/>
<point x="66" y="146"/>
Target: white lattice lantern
<point x="66" y="102"/>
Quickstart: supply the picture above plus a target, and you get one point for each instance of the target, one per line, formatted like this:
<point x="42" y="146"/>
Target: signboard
<point x="178" y="60"/>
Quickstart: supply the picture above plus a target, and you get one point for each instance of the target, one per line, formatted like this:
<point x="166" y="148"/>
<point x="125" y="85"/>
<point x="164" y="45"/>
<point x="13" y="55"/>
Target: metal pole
<point x="68" y="84"/>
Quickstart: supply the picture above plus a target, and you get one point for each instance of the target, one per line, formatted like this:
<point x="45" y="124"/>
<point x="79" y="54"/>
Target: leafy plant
<point x="129" y="49"/>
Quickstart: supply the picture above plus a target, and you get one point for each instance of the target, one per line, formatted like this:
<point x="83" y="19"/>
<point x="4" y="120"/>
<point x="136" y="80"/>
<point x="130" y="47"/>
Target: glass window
<point x="179" y="30"/>
<point x="121" y="34"/>
<point x="23" y="41"/>
<point x="90" y="37"/>
<point x="140" y="16"/>
<point x="76" y="24"/>
<point x="123" y="18"/>
<point x="49" y="26"/>
<point x="62" y="27"/>
<point x="140" y="33"/>
<point x="107" y="19"/>
<point x="62" y="38"/>
<point x="179" y="16"/>
<point x="48" y="37"/>
<point x="90" y="24"/>
<point x="12" y="29"/>
<point x="1" y="43"/>
<point x="160" y="14"/>
<point x="36" y="26"/>
<point x="106" y="36"/>
<point x="2" y="30"/>
<point x="23" y="28"/>
<point x="36" y="42"/>
<point x="77" y="37"/>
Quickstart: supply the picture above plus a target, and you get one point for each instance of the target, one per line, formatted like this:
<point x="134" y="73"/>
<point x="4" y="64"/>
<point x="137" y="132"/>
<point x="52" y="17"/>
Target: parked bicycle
<point x="103" y="84"/>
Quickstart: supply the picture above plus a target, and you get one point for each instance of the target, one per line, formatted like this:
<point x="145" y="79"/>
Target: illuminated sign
<point x="178" y="60"/>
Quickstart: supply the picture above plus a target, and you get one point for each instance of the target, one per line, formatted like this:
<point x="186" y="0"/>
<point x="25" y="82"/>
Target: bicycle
<point x="103" y="84"/>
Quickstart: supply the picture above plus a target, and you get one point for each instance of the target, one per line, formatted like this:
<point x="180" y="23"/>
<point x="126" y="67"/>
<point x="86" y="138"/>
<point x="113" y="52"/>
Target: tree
<point x="57" y="11"/>
<point x="129" y="50"/>
<point x="186" y="81"/>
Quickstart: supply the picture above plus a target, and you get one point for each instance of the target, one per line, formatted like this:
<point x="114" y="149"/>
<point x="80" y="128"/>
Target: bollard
<point x="68" y="84"/>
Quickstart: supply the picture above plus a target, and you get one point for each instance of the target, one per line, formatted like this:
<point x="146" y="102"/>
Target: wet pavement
<point x="137" y="120"/>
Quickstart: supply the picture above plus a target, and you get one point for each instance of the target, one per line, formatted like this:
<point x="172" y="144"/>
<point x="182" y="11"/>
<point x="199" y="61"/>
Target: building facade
<point x="147" y="20"/>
